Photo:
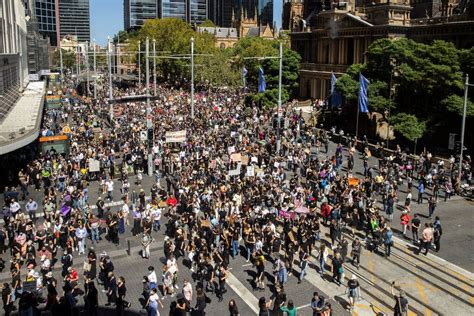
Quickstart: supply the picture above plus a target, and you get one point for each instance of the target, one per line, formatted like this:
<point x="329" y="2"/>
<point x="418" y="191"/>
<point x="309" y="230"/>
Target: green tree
<point x="258" y="47"/>
<point x="455" y="104"/>
<point x="409" y="126"/>
<point x="69" y="59"/>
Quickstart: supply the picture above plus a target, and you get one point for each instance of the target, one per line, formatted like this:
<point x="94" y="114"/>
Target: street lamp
<point x="463" y="126"/>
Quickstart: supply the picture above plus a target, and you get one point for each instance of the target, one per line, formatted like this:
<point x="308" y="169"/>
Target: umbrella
<point x="302" y="210"/>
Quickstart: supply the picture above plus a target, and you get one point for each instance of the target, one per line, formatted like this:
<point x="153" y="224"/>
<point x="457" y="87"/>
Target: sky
<point x="106" y="19"/>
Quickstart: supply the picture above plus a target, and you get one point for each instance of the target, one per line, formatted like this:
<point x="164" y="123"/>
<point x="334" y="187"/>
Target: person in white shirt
<point x="81" y="234"/>
<point x="188" y="291"/>
<point x="152" y="277"/>
<point x="126" y="212"/>
<point x="156" y="214"/>
<point x="110" y="188"/>
<point x="14" y="207"/>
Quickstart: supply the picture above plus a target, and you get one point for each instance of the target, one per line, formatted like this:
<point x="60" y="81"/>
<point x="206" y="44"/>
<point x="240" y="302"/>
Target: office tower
<point x="74" y="19"/>
<point x="191" y="11"/>
<point x="221" y="12"/>
<point x="47" y="19"/>
<point x="136" y="12"/>
<point x="270" y="13"/>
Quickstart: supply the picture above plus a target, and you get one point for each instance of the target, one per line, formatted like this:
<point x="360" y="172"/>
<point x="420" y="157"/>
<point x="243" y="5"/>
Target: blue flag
<point x="363" y="99"/>
<point x="333" y="82"/>
<point x="244" y="75"/>
<point x="262" y="85"/>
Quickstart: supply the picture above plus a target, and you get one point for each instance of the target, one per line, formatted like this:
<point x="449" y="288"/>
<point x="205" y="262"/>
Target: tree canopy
<point x="215" y="66"/>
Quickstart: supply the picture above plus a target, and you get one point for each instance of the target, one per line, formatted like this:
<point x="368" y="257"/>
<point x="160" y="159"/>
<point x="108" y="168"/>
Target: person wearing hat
<point x="401" y="302"/>
<point x="353" y="290"/>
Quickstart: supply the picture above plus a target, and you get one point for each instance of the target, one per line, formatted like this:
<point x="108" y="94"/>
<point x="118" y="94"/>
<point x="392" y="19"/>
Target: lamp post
<point x="95" y="72"/>
<point x="192" y="78"/>
<point x="149" y="122"/>
<point x="463" y="126"/>
<point x="109" y="60"/>
<point x="154" y="67"/>
<point x="139" y="64"/>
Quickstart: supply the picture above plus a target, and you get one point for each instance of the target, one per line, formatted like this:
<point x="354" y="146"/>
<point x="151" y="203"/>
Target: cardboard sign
<point x="245" y="160"/>
<point x="250" y="171"/>
<point x="231" y="150"/>
<point x="234" y="172"/>
<point x="286" y="214"/>
<point x="176" y="137"/>
<point x="94" y="165"/>
<point x="236" y="157"/>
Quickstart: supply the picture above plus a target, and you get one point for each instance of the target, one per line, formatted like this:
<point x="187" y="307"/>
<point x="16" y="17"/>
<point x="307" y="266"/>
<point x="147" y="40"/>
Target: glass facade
<point x="74" y="19"/>
<point x="188" y="10"/>
<point x="138" y="11"/>
<point x="270" y="12"/>
<point x="46" y="16"/>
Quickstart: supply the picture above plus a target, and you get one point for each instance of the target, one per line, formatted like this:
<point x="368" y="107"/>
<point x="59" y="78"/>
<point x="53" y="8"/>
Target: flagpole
<point x="357" y="120"/>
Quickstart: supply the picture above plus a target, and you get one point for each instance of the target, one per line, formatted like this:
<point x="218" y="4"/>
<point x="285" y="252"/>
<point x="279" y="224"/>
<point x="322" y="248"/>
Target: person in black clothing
<point x="200" y="302"/>
<point x="233" y="310"/>
<point x="401" y="302"/>
<point x="121" y="292"/>
<point x="111" y="289"/>
<point x="7" y="299"/>
<point x="415" y="227"/>
<point x="91" y="297"/>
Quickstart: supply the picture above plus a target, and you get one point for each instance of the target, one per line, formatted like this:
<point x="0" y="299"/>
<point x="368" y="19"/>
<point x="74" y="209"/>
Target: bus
<point x="58" y="143"/>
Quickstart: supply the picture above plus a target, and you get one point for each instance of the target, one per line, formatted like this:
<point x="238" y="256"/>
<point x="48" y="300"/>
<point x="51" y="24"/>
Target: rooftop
<point x="22" y="123"/>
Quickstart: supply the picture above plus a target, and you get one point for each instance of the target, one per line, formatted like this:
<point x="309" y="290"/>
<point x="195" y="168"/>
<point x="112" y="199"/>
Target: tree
<point x="207" y="23"/>
<point x="455" y="104"/>
<point x="255" y="47"/>
<point x="409" y="126"/>
<point x="69" y="59"/>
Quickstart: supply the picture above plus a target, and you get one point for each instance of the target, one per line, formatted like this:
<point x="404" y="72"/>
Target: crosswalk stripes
<point x="243" y="292"/>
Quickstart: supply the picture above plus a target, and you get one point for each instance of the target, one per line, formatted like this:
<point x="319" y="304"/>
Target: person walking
<point x="200" y="307"/>
<point x="91" y="297"/>
<point x="81" y="235"/>
<point x="353" y="291"/>
<point x="337" y="268"/>
<point x="111" y="289"/>
<point x="431" y="206"/>
<point x="153" y="302"/>
<point x="323" y="256"/>
<point x="437" y="232"/>
<point x="233" y="309"/>
<point x="289" y="309"/>
<point x="421" y="190"/>
<point x="304" y="257"/>
<point x="121" y="293"/>
<point x="415" y="227"/>
<point x="31" y="207"/>
<point x="388" y="241"/>
<point x="356" y="251"/>
<point x="401" y="302"/>
<point x="426" y="239"/>
<point x="405" y="221"/>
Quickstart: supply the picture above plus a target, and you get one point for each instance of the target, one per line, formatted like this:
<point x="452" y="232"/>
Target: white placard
<point x="94" y="165"/>
<point x="250" y="171"/>
<point x="176" y="137"/>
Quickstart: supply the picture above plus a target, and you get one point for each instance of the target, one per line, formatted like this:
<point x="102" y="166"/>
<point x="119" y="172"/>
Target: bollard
<point x="129" y="250"/>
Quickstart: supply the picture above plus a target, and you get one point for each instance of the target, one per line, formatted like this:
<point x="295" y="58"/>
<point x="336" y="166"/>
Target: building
<point x="37" y="43"/>
<point x="339" y="37"/>
<point x="47" y="18"/>
<point x="222" y="12"/>
<point x="270" y="13"/>
<point x="225" y="37"/>
<point x="20" y="100"/>
<point x="249" y="26"/>
<point x="13" y="53"/>
<point x="191" y="11"/>
<point x="74" y="19"/>
<point x="136" y="12"/>
<point x="292" y="15"/>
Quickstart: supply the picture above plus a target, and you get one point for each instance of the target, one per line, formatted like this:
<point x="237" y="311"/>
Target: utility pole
<point x="280" y="113"/>
<point x="78" y="60"/>
<point x="192" y="78"/>
<point x="154" y="67"/>
<point x="111" y="96"/>
<point x="139" y="64"/>
<point x="463" y="127"/>
<point x="61" y="61"/>
<point x="95" y="72"/>
<point x="149" y="122"/>
<point x="87" y="68"/>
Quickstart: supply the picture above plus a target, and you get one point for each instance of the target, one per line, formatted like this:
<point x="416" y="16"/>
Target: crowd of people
<point x="234" y="187"/>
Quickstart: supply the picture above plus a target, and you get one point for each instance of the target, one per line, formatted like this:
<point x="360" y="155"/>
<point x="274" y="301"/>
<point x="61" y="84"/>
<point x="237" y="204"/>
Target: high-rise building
<point x="136" y="12"/>
<point x="270" y="13"/>
<point x="191" y="11"/>
<point x="14" y="65"/>
<point x="74" y="19"/>
<point x="221" y="12"/>
<point x="47" y="18"/>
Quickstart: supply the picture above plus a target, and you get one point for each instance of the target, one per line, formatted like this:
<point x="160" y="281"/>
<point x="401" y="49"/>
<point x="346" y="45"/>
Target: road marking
<point x="370" y="266"/>
<point x="242" y="292"/>
<point x="247" y="265"/>
<point x="303" y="306"/>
